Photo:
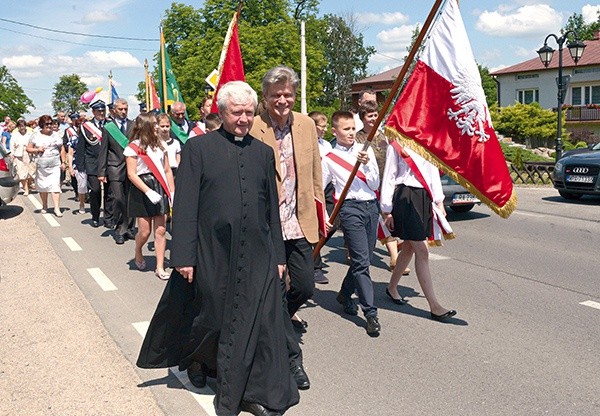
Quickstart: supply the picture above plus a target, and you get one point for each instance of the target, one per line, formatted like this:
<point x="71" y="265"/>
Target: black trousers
<point x="118" y="191"/>
<point x="294" y="350"/>
<point x="300" y="267"/>
<point x="95" y="187"/>
<point x="359" y="223"/>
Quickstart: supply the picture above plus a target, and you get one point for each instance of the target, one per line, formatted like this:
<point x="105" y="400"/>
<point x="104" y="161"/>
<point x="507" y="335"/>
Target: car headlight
<point x="558" y="168"/>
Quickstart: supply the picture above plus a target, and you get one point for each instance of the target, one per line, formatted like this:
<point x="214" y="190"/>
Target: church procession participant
<point x="358" y="214"/>
<point x="88" y="149"/>
<point x="111" y="168"/>
<point x="150" y="195"/>
<point x="182" y="128"/>
<point x="298" y="164"/>
<point x="77" y="172"/>
<point x="222" y="309"/>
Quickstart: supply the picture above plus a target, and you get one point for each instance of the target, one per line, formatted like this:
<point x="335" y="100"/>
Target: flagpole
<point x="163" y="70"/>
<point x="382" y="114"/>
<point x="110" y="86"/>
<point x="147" y="100"/>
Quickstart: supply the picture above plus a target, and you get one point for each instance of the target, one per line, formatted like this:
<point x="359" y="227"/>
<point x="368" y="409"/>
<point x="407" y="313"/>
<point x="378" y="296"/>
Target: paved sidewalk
<point x="56" y="357"/>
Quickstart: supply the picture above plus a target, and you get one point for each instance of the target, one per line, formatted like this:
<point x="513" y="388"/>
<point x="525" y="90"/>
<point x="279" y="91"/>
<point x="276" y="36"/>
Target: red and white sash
<point x="382" y="231"/>
<point x="441" y="226"/>
<point x="152" y="164"/>
<point x="196" y="131"/>
<point x="94" y="131"/>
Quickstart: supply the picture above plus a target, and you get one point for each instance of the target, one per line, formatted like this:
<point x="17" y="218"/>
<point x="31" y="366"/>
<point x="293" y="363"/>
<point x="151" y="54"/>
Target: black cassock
<point x="230" y="318"/>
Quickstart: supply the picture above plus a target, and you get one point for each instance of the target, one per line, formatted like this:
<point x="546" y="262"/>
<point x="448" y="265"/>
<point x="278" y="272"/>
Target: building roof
<point x="591" y="56"/>
<point x="379" y="82"/>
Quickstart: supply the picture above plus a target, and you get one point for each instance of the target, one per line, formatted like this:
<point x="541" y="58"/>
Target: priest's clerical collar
<point x="230" y="136"/>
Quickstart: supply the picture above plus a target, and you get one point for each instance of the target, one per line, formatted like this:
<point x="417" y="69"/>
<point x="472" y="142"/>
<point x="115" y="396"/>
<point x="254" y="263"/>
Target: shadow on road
<point x="10" y="211"/>
<point x="585" y="200"/>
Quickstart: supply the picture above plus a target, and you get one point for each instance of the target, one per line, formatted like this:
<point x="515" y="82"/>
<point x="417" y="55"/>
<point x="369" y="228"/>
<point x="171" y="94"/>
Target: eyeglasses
<point x="181" y="113"/>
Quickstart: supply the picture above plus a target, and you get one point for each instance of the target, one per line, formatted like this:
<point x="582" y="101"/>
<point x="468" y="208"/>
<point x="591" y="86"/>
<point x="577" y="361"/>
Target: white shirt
<point x="173" y="149"/>
<point x="154" y="154"/>
<point x="324" y="147"/>
<point x="359" y="190"/>
<point x="398" y="172"/>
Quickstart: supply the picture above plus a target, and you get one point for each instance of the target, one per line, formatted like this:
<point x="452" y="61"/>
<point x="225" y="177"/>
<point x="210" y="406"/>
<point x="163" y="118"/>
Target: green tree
<point x="13" y="101"/>
<point x="585" y="31"/>
<point x="67" y="93"/>
<point x="490" y="87"/>
<point x="528" y="123"/>
<point x="347" y="58"/>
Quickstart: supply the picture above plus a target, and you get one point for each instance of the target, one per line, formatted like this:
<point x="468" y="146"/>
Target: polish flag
<point x="442" y="115"/>
<point x="231" y="66"/>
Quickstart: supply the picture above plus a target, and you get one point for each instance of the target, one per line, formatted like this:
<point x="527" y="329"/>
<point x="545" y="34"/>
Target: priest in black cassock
<point x="221" y="312"/>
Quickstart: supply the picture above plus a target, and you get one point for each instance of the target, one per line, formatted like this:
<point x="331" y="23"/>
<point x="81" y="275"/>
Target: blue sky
<point x="502" y="33"/>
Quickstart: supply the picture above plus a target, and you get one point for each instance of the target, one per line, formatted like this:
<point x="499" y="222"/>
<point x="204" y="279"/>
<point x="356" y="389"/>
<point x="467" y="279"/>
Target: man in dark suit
<point x="293" y="138"/>
<point x="88" y="149"/>
<point x="112" y="170"/>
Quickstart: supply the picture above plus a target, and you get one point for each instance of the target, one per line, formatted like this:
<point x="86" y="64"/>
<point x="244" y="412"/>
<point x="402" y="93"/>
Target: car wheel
<point x="569" y="195"/>
<point x="462" y="208"/>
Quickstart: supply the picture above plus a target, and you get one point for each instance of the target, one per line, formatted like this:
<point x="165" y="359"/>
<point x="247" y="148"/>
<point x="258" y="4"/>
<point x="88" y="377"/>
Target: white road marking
<point x="34" y="201"/>
<point x="141" y="327"/>
<point x="72" y="244"/>
<point x="205" y="396"/>
<point x="100" y="278"/>
<point x="591" y="304"/>
<point x="437" y="257"/>
<point x="50" y="219"/>
<point x="529" y="214"/>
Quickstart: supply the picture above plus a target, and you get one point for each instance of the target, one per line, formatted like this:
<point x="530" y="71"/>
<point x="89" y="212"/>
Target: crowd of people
<point x="239" y="182"/>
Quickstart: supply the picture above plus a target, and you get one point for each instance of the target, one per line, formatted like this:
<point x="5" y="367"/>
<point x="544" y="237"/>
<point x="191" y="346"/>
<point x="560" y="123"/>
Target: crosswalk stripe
<point x="34" y="201"/>
<point x="100" y="278"/>
<point x="437" y="257"/>
<point x="204" y="396"/>
<point x="72" y="244"/>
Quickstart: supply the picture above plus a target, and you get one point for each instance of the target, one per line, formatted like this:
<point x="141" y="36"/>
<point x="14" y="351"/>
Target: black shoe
<point x="196" y="375"/>
<point x="95" y="223"/>
<point x="119" y="239"/>
<point x="349" y="307"/>
<point x="300" y="325"/>
<point x="320" y="277"/>
<point x="257" y="409"/>
<point x="442" y="318"/>
<point x="130" y="235"/>
<point x="109" y="224"/>
<point x="301" y="377"/>
<point x="373" y="326"/>
<point x="400" y="301"/>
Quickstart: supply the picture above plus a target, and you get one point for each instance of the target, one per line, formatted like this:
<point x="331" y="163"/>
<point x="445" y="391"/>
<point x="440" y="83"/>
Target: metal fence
<point x="533" y="173"/>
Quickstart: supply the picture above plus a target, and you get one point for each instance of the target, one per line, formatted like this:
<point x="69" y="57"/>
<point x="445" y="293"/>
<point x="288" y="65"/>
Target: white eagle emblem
<point x="472" y="115"/>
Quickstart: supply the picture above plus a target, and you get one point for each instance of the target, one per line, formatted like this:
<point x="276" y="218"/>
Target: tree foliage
<point x="584" y="31"/>
<point x="13" y="101"/>
<point x="490" y="87"/>
<point x="269" y="36"/>
<point x="528" y="122"/>
<point x="67" y="93"/>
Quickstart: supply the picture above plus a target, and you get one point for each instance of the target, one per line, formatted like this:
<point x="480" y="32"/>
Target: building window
<point x="589" y="94"/>
<point x="528" y="96"/>
<point x="527" y="76"/>
<point x="576" y="97"/>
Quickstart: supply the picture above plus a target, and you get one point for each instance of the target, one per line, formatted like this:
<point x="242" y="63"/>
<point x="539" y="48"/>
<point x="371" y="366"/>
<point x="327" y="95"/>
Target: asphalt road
<point x="525" y="340"/>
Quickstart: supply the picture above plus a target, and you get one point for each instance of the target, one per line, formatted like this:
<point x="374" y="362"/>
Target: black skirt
<point x="138" y="204"/>
<point x="412" y="213"/>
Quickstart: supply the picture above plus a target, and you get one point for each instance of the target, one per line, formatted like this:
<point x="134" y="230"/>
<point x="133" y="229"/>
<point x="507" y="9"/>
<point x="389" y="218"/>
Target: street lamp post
<point x="545" y="52"/>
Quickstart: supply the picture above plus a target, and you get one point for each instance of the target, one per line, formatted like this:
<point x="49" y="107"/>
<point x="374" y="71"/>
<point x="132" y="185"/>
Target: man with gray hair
<point x="222" y="310"/>
<point x="293" y="138"/>
<point x="112" y="170"/>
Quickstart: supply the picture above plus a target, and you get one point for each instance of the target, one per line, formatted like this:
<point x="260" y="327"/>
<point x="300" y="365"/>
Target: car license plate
<point x="464" y="198"/>
<point x="580" y="179"/>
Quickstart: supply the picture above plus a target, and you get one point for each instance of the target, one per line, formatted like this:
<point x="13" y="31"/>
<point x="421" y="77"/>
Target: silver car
<point x="457" y="197"/>
<point x="9" y="181"/>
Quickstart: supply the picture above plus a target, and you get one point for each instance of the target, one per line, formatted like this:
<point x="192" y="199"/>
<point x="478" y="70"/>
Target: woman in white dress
<point x="18" y="148"/>
<point x="47" y="145"/>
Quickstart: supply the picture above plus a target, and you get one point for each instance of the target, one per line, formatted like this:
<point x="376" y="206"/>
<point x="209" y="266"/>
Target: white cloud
<point x="590" y="13"/>
<point x="22" y="61"/>
<point x="98" y="16"/>
<point x="115" y="59"/>
<point x="27" y="74"/>
<point x="524" y="52"/>
<point x="381" y="18"/>
<point x="390" y="58"/>
<point x="530" y="20"/>
<point x="93" y="81"/>
<point x="400" y="35"/>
